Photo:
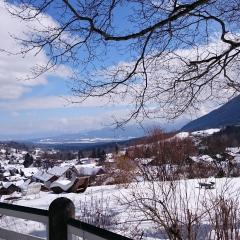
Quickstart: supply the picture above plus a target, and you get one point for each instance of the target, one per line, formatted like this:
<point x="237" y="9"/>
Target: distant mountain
<point x="100" y="135"/>
<point x="226" y="115"/>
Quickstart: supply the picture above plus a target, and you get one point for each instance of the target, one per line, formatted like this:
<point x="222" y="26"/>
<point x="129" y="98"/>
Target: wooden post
<point x="60" y="210"/>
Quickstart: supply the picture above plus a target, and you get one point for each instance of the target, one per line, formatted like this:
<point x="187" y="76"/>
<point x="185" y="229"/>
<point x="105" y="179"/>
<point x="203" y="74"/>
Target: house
<point x="44" y="177"/>
<point x="51" y="175"/>
<point x="6" y="174"/>
<point x="3" y="191"/>
<point x="3" y="178"/>
<point x="28" y="172"/>
<point x="89" y="169"/>
<point x="9" y="188"/>
<point x="88" y="160"/>
<point x="16" y="177"/>
<point x="64" y="172"/>
<point x="13" y="171"/>
<point x="190" y="160"/>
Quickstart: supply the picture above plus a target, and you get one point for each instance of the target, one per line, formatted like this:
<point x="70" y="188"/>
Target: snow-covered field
<point x="115" y="201"/>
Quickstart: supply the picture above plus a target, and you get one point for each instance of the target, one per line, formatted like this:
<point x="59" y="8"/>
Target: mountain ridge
<point x="226" y="115"/>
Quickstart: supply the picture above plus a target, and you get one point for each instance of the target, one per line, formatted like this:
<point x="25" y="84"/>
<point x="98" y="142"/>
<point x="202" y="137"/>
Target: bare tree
<point x="168" y="55"/>
<point x="178" y="211"/>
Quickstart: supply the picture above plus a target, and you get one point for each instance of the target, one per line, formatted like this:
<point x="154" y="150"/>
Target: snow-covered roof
<point x="68" y="163"/>
<point x="194" y="158"/>
<point x="206" y="132"/>
<point x="206" y="158"/>
<point x="6" y="174"/>
<point x="14" y="178"/>
<point x="58" y="171"/>
<point x="7" y="184"/>
<point x="237" y="158"/>
<point x="63" y="181"/>
<point x="25" y="184"/>
<point x="19" y="183"/>
<point x="11" y="168"/>
<point x="88" y="160"/>
<point x="182" y="135"/>
<point x="3" y="151"/>
<point x="63" y="184"/>
<point x="88" y="169"/>
<point x="233" y="150"/>
<point x="144" y="160"/>
<point x="43" y="176"/>
<point x="203" y="158"/>
<point x="28" y="172"/>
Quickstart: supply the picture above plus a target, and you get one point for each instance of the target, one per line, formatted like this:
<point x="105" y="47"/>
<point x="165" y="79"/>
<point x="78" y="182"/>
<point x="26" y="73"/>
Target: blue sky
<point x="40" y="106"/>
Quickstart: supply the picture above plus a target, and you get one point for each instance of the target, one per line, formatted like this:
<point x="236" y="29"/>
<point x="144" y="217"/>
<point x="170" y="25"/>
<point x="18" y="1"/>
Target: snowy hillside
<point x="127" y="218"/>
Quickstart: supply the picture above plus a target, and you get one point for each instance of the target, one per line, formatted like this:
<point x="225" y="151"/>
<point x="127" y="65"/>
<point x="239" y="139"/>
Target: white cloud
<point x="35" y="125"/>
<point x="54" y="102"/>
<point x="166" y="95"/>
<point x="15" y="68"/>
<point x="50" y="125"/>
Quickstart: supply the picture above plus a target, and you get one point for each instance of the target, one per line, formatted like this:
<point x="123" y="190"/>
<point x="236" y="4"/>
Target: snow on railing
<point x="59" y="220"/>
<point x="28" y="213"/>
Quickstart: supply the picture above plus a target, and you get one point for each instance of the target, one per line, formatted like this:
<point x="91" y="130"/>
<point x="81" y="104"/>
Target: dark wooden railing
<point x="59" y="220"/>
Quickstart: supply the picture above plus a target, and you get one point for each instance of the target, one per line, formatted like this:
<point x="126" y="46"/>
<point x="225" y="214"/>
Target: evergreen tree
<point x="93" y="154"/>
<point x="116" y="148"/>
<point x="28" y="160"/>
<point x="102" y="156"/>
<point x="80" y="154"/>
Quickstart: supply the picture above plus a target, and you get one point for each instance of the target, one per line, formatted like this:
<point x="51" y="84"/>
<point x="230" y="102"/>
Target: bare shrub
<point x="164" y="207"/>
<point x="156" y="134"/>
<point x="125" y="170"/>
<point x="235" y="172"/>
<point x="178" y="212"/>
<point x="97" y="212"/>
<point x="167" y="154"/>
<point x="224" y="218"/>
<point x="164" y="148"/>
<point x="201" y="170"/>
<point x="173" y="151"/>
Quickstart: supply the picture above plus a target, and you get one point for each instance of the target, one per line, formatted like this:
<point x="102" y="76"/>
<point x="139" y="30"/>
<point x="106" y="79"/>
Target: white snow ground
<point x="110" y="198"/>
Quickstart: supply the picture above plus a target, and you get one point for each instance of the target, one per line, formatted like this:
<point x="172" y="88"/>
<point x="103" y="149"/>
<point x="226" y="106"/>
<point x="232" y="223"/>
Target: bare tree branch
<point x="179" y="54"/>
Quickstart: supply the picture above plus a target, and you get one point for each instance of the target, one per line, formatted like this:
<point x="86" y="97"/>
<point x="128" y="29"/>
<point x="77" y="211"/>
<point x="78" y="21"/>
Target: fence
<point x="59" y="220"/>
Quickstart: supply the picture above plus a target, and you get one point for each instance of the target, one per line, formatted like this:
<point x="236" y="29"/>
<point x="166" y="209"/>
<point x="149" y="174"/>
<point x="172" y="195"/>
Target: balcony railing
<point x="59" y="220"/>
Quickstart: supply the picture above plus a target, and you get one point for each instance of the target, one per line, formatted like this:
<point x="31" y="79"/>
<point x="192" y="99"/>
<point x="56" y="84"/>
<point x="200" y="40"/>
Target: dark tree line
<point x="28" y="160"/>
<point x="218" y="142"/>
<point x="98" y="153"/>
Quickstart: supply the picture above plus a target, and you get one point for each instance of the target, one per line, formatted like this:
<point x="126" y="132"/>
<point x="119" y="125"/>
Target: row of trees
<point x="163" y="148"/>
<point x="218" y="142"/>
<point x="162" y="156"/>
<point x="69" y="155"/>
<point x="98" y="153"/>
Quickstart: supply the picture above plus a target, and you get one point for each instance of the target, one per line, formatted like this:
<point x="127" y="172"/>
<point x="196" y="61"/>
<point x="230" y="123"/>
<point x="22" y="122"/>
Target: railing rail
<point x="59" y="220"/>
<point x="10" y="235"/>
<point x="33" y="214"/>
<point x="89" y="232"/>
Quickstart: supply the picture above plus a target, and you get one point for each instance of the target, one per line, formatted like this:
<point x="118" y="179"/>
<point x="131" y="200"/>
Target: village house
<point x="44" y="177"/>
<point x="28" y="172"/>
<point x="48" y="176"/>
<point x="89" y="169"/>
<point x="63" y="172"/>
<point x="8" y="188"/>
